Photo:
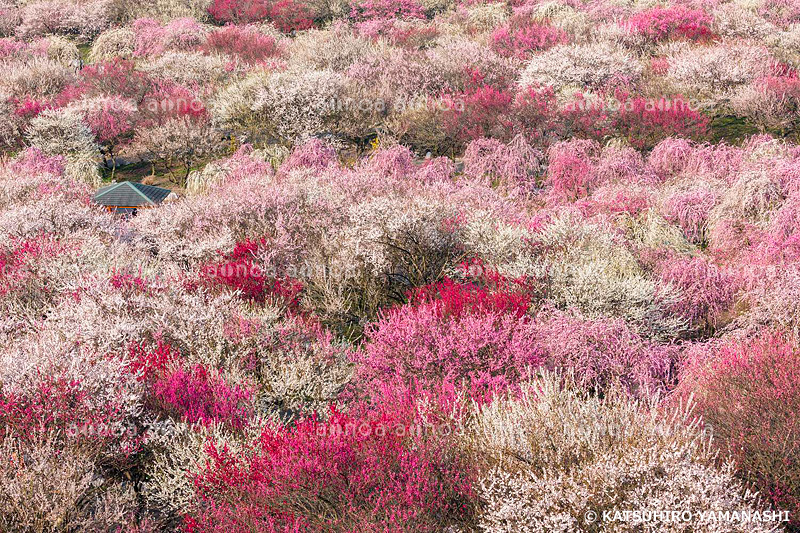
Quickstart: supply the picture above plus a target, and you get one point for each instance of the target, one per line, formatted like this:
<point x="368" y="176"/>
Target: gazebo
<point x="126" y="197"/>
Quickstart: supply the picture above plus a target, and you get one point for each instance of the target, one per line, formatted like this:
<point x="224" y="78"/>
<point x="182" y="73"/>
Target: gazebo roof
<point x="130" y="194"/>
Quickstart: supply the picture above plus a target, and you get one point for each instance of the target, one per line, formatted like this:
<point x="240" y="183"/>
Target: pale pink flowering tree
<point x="112" y="120"/>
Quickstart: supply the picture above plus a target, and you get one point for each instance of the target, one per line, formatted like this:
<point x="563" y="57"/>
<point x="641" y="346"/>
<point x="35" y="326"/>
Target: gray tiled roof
<point x="130" y="194"/>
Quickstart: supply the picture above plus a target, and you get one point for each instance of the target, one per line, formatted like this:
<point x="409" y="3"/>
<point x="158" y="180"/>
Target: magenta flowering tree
<point x="243" y="42"/>
<point x="20" y="259"/>
<point x="389" y="468"/>
<point x="198" y="395"/>
<point x="32" y="161"/>
<point x="571" y="168"/>
<point x="747" y="392"/>
<point x="60" y="405"/>
<point x="603" y="353"/>
<point x="586" y="118"/>
<point x="149" y="37"/>
<point x="393" y="164"/>
<point x="521" y="38"/>
<point x="689" y="210"/>
<point x="468" y="334"/>
<point x="536" y="115"/>
<point x="287" y="15"/>
<point x="483" y="291"/>
<point x="314" y="154"/>
<point x="299" y="315"/>
<point x="708" y="292"/>
<point x="29" y="107"/>
<point x="116" y="78"/>
<point x="386" y="9"/>
<point x="483" y="352"/>
<point x="479" y="111"/>
<point x="670" y="157"/>
<point x="673" y="22"/>
<point x="646" y="122"/>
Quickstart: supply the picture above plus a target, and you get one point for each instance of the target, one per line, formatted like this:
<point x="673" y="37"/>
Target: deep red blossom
<point x="386" y="468"/>
<point x="490" y="292"/>
<point x="59" y="404"/>
<point x="19" y="259"/>
<point x="148" y="362"/>
<point x="571" y="173"/>
<point x="242" y="270"/>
